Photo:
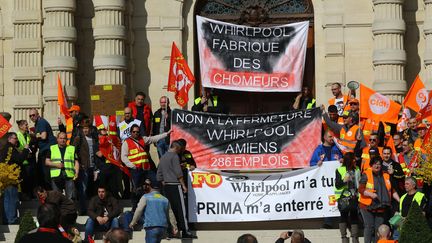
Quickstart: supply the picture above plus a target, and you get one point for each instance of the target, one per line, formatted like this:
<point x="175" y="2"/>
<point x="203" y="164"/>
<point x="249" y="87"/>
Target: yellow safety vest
<point x="68" y="160"/>
<point x="418" y="197"/>
<point x="342" y="171"/>
<point x="22" y="142"/>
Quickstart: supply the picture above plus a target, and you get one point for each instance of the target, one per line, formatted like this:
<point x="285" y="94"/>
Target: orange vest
<point x="404" y="166"/>
<point x="348" y="138"/>
<point x="368" y="127"/>
<point x="418" y="145"/>
<point x="137" y="155"/>
<point x="366" y="157"/>
<point x="370" y="187"/>
<point x="387" y="241"/>
<point x="69" y="129"/>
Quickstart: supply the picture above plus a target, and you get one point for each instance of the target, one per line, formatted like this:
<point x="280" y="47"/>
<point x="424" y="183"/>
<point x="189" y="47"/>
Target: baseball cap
<point x="354" y="100"/>
<point x="421" y="126"/>
<point x="75" y="108"/>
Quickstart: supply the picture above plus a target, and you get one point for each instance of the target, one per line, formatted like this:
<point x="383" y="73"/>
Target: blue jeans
<point x="162" y="147"/>
<point x="154" y="234"/>
<point x="91" y="225"/>
<point x="11" y="204"/>
<point x="139" y="175"/>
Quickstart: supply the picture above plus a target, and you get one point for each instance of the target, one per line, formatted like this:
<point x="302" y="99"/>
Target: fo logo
<point x="379" y="104"/>
<point x="422" y="98"/>
<point x="212" y="180"/>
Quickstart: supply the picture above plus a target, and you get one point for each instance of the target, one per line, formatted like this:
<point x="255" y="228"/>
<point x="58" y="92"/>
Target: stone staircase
<point x="266" y="231"/>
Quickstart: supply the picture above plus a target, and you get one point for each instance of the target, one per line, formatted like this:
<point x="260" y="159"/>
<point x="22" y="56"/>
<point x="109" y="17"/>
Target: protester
<point x="155" y="210"/>
<point x="28" y="166"/>
<point x="421" y="132"/>
<point x="348" y="133"/>
<point x="411" y="195"/>
<point x="64" y="167"/>
<point x="372" y="145"/>
<point x="116" y="236"/>
<point x="304" y="100"/>
<point x="125" y="126"/>
<point x="394" y="169"/>
<point x="338" y="99"/>
<point x="208" y="102"/>
<point x="161" y="124"/>
<point x="68" y="212"/>
<point x="397" y="139"/>
<point x="375" y="198"/>
<point x="410" y="133"/>
<point x="346" y="185"/>
<point x="170" y="174"/>
<point x="135" y="156"/>
<point x="48" y="217"/>
<point x="11" y="155"/>
<point x="406" y="156"/>
<point x="247" y="238"/>
<point x="297" y="236"/>
<point x="327" y="151"/>
<point x="45" y="138"/>
<point x="103" y="211"/>
<point x="142" y="112"/>
<point x="384" y="234"/>
<point x="354" y="106"/>
<point x="87" y="146"/>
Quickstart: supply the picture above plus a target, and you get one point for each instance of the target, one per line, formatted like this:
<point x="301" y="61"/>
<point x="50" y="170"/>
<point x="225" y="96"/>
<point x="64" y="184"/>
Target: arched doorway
<point x="258" y="13"/>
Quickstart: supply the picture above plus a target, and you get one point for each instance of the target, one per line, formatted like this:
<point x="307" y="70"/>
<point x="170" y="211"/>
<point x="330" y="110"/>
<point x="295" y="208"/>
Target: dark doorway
<point x="259" y="13"/>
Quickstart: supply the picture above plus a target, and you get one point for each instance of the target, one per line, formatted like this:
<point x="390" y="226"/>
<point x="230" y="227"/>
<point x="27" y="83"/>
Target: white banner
<point x="264" y="59"/>
<point x="229" y="197"/>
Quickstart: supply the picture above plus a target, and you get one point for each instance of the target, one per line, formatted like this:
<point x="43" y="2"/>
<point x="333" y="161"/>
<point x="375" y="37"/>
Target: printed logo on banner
<point x="422" y="98"/>
<point x="237" y="178"/>
<point x="212" y="180"/>
<point x="332" y="200"/>
<point x="379" y="104"/>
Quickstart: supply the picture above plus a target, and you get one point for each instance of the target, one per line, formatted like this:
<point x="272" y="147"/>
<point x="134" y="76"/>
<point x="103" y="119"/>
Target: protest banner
<point x="265" y="59"/>
<point x="229" y="197"/>
<point x="249" y="142"/>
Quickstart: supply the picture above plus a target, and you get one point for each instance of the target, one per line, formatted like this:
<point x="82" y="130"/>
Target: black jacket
<point x="10" y="154"/>
<point x="156" y="120"/>
<point x="96" y="207"/>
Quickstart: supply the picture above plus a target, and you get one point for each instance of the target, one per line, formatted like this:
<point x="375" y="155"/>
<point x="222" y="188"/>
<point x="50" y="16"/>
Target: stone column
<point x="389" y="56"/>
<point x="27" y="56"/>
<point x="427" y="27"/>
<point x="109" y="62"/>
<point x="59" y="57"/>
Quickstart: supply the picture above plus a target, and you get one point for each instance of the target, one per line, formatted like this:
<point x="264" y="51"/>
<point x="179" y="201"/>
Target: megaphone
<point x="353" y="85"/>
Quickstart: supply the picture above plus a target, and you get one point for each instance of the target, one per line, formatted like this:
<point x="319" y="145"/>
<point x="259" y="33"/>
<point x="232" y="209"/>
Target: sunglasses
<point x="373" y="139"/>
<point x="135" y="131"/>
<point x="32" y="115"/>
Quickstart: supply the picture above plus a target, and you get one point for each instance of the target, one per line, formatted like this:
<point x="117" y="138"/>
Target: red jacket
<point x="147" y="116"/>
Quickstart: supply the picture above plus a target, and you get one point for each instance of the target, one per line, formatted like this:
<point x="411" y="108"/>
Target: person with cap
<point x="208" y="102"/>
<point x="348" y="133"/>
<point x="304" y="100"/>
<point x="142" y="112"/>
<point x="45" y="138"/>
<point x="161" y="124"/>
<point x="170" y="174"/>
<point x="421" y="131"/>
<point x="354" y="105"/>
<point x="62" y="161"/>
<point x="72" y="123"/>
<point x="156" y="211"/>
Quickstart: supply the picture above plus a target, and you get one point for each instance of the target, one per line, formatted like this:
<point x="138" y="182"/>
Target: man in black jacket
<point x="11" y="155"/>
<point x="103" y="211"/>
<point x="161" y="124"/>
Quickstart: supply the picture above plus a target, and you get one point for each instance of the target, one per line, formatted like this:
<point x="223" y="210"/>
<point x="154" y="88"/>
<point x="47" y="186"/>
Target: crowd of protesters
<point x="90" y="162"/>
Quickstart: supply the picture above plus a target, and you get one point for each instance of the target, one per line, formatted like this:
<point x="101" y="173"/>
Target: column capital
<point x="59" y="5"/>
<point x="101" y="5"/>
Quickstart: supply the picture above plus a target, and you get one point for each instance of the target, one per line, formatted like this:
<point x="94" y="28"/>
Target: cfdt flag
<point x="417" y="96"/>
<point x="180" y="78"/>
<point x="426" y="111"/>
<point x="243" y="58"/>
<point x="377" y="107"/>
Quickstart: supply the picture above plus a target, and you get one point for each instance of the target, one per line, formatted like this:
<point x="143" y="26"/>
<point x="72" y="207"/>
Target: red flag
<point x="62" y="99"/>
<point x="417" y="96"/>
<point x="4" y="126"/>
<point x="180" y="78"/>
<point x="427" y="110"/>
<point x="109" y="150"/>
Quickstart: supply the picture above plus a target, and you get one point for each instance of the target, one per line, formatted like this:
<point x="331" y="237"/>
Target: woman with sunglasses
<point x="376" y="193"/>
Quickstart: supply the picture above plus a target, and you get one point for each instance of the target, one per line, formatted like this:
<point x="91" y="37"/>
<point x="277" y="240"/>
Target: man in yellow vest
<point x="411" y="196"/>
<point x="64" y="167"/>
<point x="208" y="102"/>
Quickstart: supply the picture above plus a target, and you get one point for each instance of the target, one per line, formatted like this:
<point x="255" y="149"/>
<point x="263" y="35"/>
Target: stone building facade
<point x="382" y="43"/>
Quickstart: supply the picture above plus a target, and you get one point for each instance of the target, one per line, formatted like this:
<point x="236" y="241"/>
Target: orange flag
<point x="426" y="111"/>
<point x="417" y="96"/>
<point x="180" y="78"/>
<point x="62" y="99"/>
<point x="377" y="107"/>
